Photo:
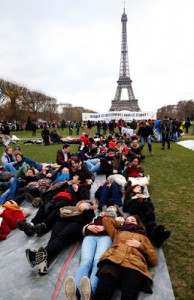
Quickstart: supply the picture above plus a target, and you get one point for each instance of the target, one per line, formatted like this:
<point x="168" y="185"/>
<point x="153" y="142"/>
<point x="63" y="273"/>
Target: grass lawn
<point x="171" y="188"/>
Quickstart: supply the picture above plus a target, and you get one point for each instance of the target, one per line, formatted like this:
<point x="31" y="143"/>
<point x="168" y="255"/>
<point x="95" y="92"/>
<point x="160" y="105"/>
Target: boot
<point x="161" y="239"/>
<point x="156" y="232"/>
<point x="40" y="229"/>
<point x="26" y="227"/>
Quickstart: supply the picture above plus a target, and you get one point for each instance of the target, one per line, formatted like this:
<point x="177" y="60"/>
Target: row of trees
<point x="182" y="110"/>
<point x="18" y="103"/>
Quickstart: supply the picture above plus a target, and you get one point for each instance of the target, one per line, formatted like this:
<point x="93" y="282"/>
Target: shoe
<point x="41" y="261"/>
<point x="162" y="148"/>
<point x="162" y="238"/>
<point x="40" y="229"/>
<point x="26" y="227"/>
<point x="157" y="232"/>
<point x="31" y="257"/>
<point x="29" y="197"/>
<point x="70" y="288"/>
<point x="85" y="288"/>
<point x="37" y="202"/>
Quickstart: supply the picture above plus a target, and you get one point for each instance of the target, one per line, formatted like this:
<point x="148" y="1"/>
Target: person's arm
<point x="111" y="226"/>
<point x="128" y="201"/>
<point x="148" y="251"/>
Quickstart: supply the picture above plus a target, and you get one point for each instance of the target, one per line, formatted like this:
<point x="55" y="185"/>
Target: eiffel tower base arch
<point x="130" y="105"/>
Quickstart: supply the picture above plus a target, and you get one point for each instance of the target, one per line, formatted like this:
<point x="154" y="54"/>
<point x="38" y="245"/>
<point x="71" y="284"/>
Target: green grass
<point x="171" y="188"/>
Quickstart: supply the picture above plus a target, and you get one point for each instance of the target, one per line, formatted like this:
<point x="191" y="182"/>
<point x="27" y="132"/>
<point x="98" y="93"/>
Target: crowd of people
<point x="118" y="227"/>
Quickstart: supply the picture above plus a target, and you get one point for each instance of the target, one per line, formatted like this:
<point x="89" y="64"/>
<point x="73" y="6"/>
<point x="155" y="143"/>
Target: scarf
<point x="130" y="227"/>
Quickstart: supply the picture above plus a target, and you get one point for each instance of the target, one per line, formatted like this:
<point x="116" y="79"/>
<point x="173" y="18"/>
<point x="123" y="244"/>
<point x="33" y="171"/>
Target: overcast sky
<point x="70" y="50"/>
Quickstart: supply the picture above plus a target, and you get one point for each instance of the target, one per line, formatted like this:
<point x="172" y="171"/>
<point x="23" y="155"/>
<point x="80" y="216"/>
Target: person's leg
<point x="103" y="243"/>
<point x="96" y="167"/>
<point x="9" y="167"/>
<point x="116" y="194"/>
<point x="168" y="143"/>
<point x="63" y="234"/>
<point x="104" y="195"/>
<point x="163" y="141"/>
<point x="4" y="197"/>
<point x="105" y="287"/>
<point x="90" y="163"/>
<point x="132" y="281"/>
<point x="149" y="142"/>
<point x="142" y="142"/>
<point x="88" y="250"/>
<point x="22" y="170"/>
<point x="13" y="185"/>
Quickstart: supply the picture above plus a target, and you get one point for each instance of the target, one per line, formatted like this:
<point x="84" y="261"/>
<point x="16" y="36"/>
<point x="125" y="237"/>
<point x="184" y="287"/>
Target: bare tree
<point x="11" y="91"/>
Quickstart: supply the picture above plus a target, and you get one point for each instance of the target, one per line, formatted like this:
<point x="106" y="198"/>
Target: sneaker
<point x="40" y="228"/>
<point x="85" y="288"/>
<point x="162" y="238"/>
<point x="70" y="288"/>
<point x="31" y="257"/>
<point x="26" y="227"/>
<point x="41" y="260"/>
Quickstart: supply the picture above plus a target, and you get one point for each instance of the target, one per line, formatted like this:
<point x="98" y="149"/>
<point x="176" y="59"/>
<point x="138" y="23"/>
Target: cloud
<point x="70" y="50"/>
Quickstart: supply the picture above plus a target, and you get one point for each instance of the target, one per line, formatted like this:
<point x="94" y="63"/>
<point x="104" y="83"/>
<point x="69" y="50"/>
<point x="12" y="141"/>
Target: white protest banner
<point x="127" y="130"/>
<point x="117" y="115"/>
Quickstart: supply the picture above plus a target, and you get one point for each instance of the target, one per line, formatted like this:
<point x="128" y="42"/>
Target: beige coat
<point x="126" y="256"/>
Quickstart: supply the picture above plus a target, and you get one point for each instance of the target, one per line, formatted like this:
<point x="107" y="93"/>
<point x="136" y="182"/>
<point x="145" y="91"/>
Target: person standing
<point x="5" y="130"/>
<point x="166" y="129"/>
<point x="45" y="135"/>
<point x="145" y="132"/>
<point x="34" y="127"/>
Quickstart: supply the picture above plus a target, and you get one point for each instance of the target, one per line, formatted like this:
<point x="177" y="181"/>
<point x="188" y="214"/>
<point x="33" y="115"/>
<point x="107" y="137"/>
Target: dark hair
<point x="142" y="228"/>
<point x="135" y="157"/>
<point x="65" y="146"/>
<point x="31" y="169"/>
<point x="129" y="188"/>
<point x="75" y="158"/>
<point x="20" y="155"/>
<point x="110" y="149"/>
<point x="82" y="176"/>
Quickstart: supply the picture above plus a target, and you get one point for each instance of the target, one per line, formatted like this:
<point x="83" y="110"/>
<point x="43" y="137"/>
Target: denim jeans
<point x="10" y="193"/>
<point x="9" y="167"/>
<point x="149" y="142"/>
<point x="92" y="249"/>
<point x="93" y="165"/>
<point x="112" y="193"/>
<point x="158" y="136"/>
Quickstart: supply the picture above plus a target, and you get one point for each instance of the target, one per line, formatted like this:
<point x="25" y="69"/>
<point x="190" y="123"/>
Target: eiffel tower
<point x="124" y="81"/>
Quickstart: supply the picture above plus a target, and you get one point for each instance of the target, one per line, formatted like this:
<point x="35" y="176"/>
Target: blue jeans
<point x="9" y="167"/>
<point x="10" y="193"/>
<point x="92" y="249"/>
<point x="175" y="136"/>
<point x="112" y="193"/>
<point x="149" y="142"/>
<point x="158" y="136"/>
<point x="93" y="165"/>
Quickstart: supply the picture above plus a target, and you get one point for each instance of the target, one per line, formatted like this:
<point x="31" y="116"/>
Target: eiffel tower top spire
<point x="124" y="81"/>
